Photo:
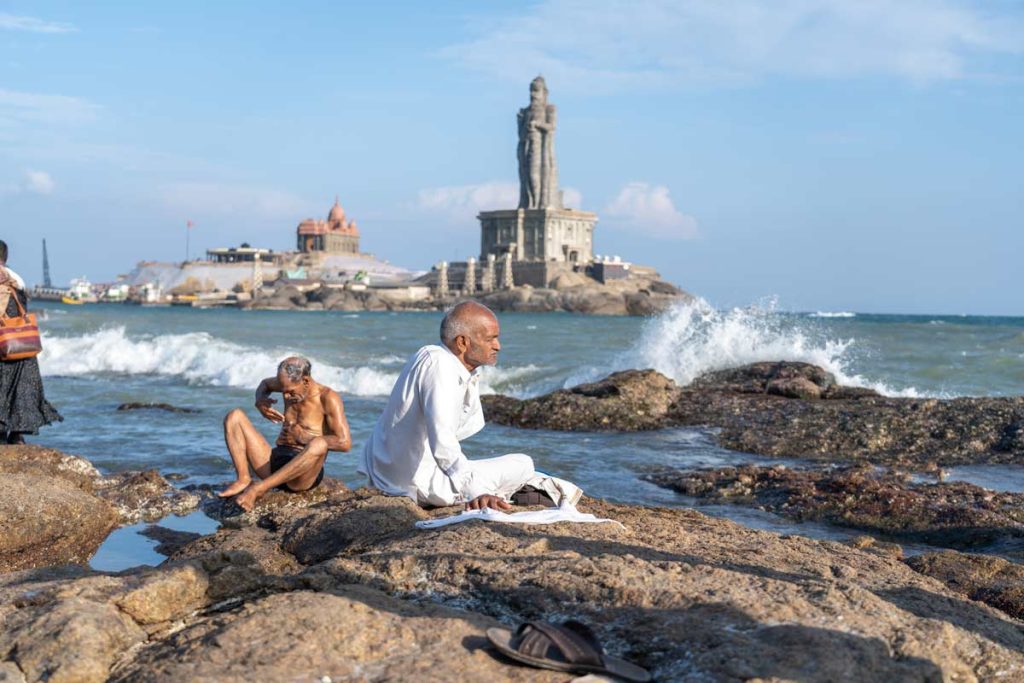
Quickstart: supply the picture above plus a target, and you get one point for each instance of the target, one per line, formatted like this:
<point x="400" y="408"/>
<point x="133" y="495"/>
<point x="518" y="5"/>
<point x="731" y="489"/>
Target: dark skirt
<point x="23" y="406"/>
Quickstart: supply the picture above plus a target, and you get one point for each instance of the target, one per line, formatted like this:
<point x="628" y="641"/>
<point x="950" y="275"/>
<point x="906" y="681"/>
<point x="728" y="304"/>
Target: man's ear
<point x="462" y="343"/>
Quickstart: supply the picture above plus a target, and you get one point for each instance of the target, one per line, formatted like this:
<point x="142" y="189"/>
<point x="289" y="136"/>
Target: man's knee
<point x="234" y="417"/>
<point x="317" y="446"/>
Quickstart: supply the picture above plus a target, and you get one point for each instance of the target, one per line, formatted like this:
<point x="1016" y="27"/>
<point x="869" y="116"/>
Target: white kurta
<point x="415" y="449"/>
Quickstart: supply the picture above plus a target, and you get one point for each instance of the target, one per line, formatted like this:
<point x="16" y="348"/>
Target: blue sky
<point x="861" y="155"/>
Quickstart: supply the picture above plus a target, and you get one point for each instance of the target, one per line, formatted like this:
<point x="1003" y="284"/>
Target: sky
<point x="858" y="155"/>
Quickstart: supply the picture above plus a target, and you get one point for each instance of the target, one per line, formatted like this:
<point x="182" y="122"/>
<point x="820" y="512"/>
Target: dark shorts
<point x="281" y="456"/>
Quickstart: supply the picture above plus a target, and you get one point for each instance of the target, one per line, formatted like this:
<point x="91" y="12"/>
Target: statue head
<point x="538" y="90"/>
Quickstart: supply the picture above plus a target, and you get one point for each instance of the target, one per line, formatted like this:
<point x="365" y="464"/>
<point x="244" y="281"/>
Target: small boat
<point x="70" y="300"/>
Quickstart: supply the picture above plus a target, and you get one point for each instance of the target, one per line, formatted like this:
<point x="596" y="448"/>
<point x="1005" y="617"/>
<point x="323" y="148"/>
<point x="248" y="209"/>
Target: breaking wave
<point x="196" y="357"/>
<point x="832" y="314"/>
<point x="202" y="359"/>
<point x="694" y="338"/>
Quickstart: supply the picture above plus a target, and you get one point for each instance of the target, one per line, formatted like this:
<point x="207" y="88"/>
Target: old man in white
<point x="415" y="449"/>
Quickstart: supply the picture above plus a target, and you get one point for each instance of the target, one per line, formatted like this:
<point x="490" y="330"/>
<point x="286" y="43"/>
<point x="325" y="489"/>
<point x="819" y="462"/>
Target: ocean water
<point x="98" y="356"/>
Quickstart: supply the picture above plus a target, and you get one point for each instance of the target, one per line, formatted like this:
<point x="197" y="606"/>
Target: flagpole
<point x="188" y="234"/>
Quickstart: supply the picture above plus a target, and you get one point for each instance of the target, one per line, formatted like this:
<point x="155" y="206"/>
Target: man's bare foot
<point x="237" y="487"/>
<point x="247" y="498"/>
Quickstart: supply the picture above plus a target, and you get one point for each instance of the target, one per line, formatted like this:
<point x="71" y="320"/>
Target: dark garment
<point x="281" y="456"/>
<point x="23" y="406"/>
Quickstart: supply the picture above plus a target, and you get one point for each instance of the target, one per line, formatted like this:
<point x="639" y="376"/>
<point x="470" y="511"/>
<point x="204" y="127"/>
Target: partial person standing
<point x="23" y="405"/>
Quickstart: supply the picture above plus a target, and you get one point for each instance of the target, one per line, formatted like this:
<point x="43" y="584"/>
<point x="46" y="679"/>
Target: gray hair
<point x="295" y="368"/>
<point x="461" y="319"/>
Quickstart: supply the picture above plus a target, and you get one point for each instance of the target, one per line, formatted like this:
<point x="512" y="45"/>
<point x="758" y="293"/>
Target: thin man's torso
<point x="304" y="419"/>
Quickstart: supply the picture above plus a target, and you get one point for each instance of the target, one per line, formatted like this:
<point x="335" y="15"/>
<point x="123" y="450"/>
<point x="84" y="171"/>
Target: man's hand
<point x="264" y="406"/>
<point x="488" y="501"/>
<point x="247" y="498"/>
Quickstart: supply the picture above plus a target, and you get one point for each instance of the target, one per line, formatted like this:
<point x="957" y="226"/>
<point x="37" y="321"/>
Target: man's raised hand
<point x="488" y="501"/>
<point x="264" y="406"/>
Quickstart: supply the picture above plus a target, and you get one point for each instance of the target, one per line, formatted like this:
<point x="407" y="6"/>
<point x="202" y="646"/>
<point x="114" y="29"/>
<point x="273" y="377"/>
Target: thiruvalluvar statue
<point x="538" y="171"/>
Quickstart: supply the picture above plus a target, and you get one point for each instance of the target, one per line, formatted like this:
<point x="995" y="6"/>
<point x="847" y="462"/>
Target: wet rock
<point x="957" y="514"/>
<point x="992" y="580"/>
<point x="169" y="541"/>
<point x="796" y="410"/>
<point x="144" y="496"/>
<point x="48" y="512"/>
<point x="631" y="400"/>
<point x="156" y="406"/>
<point x="225" y="510"/>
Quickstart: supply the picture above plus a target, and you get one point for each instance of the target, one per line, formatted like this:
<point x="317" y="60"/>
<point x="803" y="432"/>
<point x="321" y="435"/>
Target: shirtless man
<point x="313" y="423"/>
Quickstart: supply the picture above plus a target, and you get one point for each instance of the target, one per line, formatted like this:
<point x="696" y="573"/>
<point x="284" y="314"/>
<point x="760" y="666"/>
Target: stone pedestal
<point x="563" y="235"/>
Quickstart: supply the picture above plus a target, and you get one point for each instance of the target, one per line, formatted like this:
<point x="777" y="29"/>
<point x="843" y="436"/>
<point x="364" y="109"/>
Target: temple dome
<point x="337" y="214"/>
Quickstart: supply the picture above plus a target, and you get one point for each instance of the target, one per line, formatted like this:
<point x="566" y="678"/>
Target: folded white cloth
<point x="559" y="490"/>
<point x="565" y="513"/>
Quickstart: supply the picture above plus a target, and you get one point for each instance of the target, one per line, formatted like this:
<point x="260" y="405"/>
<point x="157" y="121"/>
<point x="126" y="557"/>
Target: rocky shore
<point x="785" y="409"/>
<point x="342" y="586"/>
<point x="880" y="501"/>
<point x="635" y="296"/>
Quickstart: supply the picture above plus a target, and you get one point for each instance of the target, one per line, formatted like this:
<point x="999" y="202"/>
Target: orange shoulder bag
<point x="19" y="335"/>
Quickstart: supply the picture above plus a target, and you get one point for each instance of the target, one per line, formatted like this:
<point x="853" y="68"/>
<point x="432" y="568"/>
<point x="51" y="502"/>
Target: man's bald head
<point x="470" y="331"/>
<point x="464" y="318"/>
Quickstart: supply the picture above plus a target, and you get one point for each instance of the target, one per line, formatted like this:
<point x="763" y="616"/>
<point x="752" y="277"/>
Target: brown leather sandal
<point x="570" y="646"/>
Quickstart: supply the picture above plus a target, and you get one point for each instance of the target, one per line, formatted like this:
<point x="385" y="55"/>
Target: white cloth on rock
<point x="564" y="513"/>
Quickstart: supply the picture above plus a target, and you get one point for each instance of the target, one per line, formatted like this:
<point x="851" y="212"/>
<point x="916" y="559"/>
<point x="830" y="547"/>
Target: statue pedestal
<point x="563" y="235"/>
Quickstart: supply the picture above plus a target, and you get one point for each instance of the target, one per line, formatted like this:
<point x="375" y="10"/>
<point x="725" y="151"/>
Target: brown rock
<point x="630" y="401"/>
<point x="169" y="541"/>
<point x="144" y="496"/>
<point x="166" y="595"/>
<point x="47" y="520"/>
<point x="991" y="580"/>
<point x="954" y="514"/>
<point x="774" y="409"/>
<point x="72" y="641"/>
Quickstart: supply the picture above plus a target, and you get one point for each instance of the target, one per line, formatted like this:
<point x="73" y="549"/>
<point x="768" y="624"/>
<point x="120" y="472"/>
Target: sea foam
<point x="202" y="359"/>
<point x="693" y="338"/>
<point x="196" y="357"/>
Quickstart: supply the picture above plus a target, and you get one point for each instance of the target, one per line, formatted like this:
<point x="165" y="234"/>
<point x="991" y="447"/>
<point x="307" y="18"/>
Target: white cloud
<point x="463" y="202"/>
<point x="36" y="107"/>
<point x="39" y="182"/>
<point x="649" y="209"/>
<point x="616" y="45"/>
<point x="13" y="22"/>
<point x="193" y="199"/>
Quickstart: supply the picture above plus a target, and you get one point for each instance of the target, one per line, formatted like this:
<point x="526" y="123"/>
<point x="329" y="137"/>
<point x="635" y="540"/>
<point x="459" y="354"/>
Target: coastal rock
<point x="48" y="520"/>
<point x="225" y="510"/>
<point x="688" y="596"/>
<point x="347" y="633"/>
<point x="55" y="508"/>
<point x="155" y="406"/>
<point x="632" y="400"/>
<point x="955" y="515"/>
<point x="992" y="580"/>
<point x="169" y="541"/>
<point x="796" y="410"/>
<point x="144" y="496"/>
<point x="48" y="511"/>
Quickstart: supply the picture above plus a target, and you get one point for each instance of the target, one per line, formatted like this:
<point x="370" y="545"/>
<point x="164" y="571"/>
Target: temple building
<point x="336" y="235"/>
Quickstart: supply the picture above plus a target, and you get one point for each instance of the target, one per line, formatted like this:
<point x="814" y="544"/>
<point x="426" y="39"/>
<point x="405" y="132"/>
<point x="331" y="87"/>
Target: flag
<point x="189" y="224"/>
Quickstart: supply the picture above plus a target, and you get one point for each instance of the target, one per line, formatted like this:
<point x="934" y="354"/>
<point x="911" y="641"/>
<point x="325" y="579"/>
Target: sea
<point x="99" y="356"/>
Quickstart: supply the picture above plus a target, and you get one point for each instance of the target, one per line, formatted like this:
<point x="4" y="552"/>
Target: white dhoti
<point x="501" y="476"/>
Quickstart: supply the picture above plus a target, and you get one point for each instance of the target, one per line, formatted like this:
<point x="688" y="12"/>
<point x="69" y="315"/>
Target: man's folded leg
<point x="504" y="475"/>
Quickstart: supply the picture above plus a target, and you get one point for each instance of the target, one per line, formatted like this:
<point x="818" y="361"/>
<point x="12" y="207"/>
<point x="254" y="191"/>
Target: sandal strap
<point x="540" y="640"/>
